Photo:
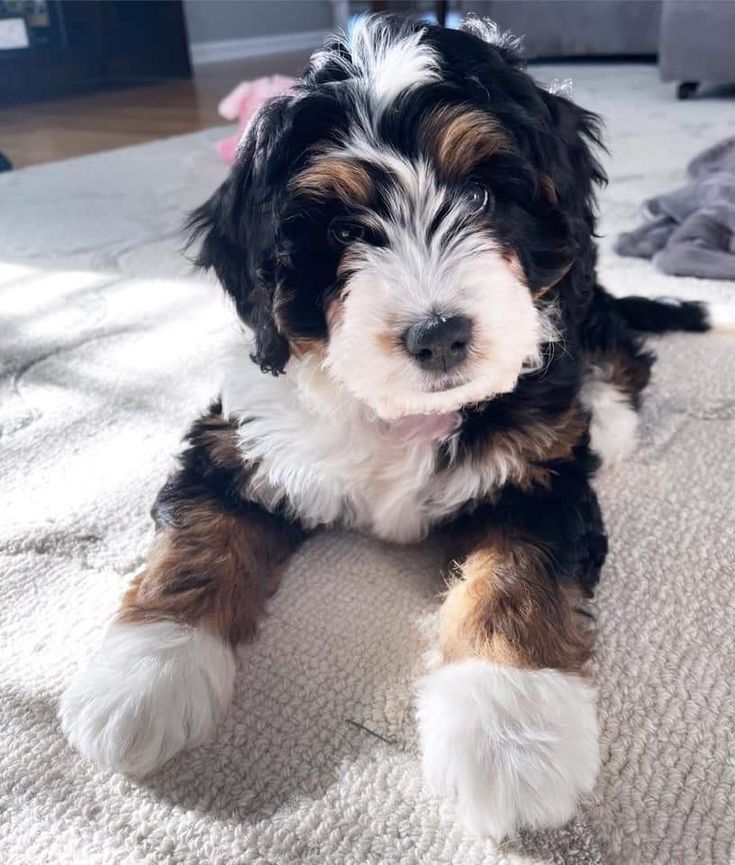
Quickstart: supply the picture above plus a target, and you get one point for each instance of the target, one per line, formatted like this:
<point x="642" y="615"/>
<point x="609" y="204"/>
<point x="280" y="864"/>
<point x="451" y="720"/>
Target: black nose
<point x="439" y="344"/>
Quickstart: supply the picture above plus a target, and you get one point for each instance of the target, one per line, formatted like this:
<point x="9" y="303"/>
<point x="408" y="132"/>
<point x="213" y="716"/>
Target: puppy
<point x="409" y="236"/>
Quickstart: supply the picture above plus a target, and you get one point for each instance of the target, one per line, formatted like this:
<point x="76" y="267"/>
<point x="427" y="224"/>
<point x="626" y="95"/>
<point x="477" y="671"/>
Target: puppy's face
<point x="399" y="217"/>
<point x="426" y="309"/>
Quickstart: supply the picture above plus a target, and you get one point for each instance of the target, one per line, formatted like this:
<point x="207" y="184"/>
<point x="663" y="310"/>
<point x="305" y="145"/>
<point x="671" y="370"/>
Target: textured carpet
<point x="109" y="346"/>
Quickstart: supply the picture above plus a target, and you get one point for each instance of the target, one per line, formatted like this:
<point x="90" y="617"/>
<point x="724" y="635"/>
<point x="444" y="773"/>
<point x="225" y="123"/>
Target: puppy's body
<point x="410" y="237"/>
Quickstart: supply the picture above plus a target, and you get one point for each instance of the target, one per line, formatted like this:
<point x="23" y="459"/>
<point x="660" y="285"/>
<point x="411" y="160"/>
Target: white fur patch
<point x="561" y="87"/>
<point x="614" y="424"/>
<point x="511" y="748"/>
<point x="387" y="62"/>
<point x="326" y="457"/>
<point x="721" y="316"/>
<point x="149" y="691"/>
<point x="390" y="65"/>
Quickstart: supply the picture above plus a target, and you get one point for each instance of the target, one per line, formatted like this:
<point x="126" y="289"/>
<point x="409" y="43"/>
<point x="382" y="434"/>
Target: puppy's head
<point x="413" y="213"/>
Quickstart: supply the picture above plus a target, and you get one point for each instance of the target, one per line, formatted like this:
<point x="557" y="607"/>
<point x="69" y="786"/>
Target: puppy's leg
<point x="164" y="673"/>
<point x="507" y="723"/>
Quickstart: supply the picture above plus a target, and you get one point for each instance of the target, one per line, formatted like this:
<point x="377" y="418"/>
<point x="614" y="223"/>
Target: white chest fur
<point x="318" y="451"/>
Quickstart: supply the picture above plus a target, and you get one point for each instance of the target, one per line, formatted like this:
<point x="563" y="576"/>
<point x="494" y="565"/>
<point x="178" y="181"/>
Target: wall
<point x="218" y="20"/>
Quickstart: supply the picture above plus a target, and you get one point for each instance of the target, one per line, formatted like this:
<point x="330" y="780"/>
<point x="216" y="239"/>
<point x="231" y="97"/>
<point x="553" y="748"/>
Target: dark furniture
<point x="697" y="43"/>
<point x="90" y="45"/>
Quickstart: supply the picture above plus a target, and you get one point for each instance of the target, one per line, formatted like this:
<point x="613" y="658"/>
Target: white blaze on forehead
<point x="391" y="65"/>
<point x="387" y="60"/>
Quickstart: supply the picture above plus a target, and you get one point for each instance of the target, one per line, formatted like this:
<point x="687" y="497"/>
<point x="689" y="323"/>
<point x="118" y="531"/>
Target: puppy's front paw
<point x="150" y="690"/>
<point x="511" y="747"/>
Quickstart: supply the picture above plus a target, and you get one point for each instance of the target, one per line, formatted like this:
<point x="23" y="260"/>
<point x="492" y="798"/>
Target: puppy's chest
<point x="329" y="463"/>
<point x="356" y="474"/>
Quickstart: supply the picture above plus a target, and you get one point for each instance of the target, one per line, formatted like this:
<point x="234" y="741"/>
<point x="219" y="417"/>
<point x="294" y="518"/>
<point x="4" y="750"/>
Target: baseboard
<point x="255" y="46"/>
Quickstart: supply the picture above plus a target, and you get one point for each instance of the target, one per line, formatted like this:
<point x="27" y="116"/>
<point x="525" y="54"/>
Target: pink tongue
<point x="426" y="427"/>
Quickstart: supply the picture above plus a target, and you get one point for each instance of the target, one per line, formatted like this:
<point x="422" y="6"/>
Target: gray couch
<point x="576" y="28"/>
<point x="694" y="39"/>
<point x="697" y="43"/>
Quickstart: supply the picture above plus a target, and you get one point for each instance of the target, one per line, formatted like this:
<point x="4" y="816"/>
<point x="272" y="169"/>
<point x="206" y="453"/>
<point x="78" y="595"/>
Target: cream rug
<point x="108" y="347"/>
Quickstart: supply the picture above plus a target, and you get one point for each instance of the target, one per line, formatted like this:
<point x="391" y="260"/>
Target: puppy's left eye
<point x="344" y="232"/>
<point x="479" y="197"/>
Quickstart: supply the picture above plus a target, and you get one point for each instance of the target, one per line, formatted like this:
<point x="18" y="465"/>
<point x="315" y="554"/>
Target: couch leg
<point x="687" y="89"/>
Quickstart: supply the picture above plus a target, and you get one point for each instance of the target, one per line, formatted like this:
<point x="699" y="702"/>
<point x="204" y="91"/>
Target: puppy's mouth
<point x="430" y="427"/>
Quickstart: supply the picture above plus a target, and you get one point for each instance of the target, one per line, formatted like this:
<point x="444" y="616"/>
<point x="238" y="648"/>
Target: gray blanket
<point x="691" y="231"/>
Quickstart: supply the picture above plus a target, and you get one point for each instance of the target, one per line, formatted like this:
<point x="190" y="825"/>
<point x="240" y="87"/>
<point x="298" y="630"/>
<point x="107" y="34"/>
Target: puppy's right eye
<point x="479" y="197"/>
<point x="344" y="232"/>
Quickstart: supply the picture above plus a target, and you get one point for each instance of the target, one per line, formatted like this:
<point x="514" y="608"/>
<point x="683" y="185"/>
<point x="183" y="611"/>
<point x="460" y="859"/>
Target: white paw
<point x="511" y="747"/>
<point x="149" y="691"/>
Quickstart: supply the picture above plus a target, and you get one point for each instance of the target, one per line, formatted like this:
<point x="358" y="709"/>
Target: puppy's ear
<point x="574" y="173"/>
<point x="575" y="170"/>
<point x="236" y="229"/>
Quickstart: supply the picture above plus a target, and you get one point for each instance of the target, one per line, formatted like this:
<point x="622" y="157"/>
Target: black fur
<point x="563" y="519"/>
<point x="202" y="474"/>
<point x="660" y="316"/>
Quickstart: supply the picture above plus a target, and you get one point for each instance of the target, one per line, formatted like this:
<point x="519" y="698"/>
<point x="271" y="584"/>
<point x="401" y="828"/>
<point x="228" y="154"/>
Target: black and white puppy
<point x="409" y="235"/>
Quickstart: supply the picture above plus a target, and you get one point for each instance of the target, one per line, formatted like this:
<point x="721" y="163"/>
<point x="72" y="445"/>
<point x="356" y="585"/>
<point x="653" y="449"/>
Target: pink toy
<point x="242" y="103"/>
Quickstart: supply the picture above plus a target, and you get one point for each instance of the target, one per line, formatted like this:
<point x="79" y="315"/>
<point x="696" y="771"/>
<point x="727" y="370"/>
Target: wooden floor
<point x="73" y="126"/>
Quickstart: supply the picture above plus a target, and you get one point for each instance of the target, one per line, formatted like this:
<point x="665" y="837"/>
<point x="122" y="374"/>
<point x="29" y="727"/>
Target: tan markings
<point x="461" y="138"/>
<point x="523" y="449"/>
<point x="626" y="373"/>
<point x="558" y="277"/>
<point x="548" y="188"/>
<point x="335" y="311"/>
<point x="332" y="175"/>
<point x="515" y="266"/>
<point x="388" y="342"/>
<point x="301" y="347"/>
<point x="504" y="608"/>
<point x="517" y="270"/>
<point x="218" y="438"/>
<point x="213" y="568"/>
<point x="298" y="346"/>
<point x="280" y="302"/>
